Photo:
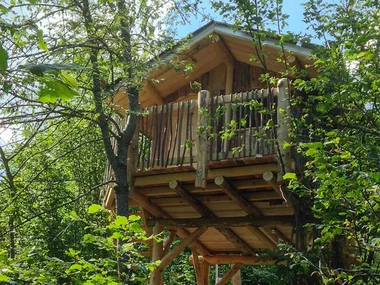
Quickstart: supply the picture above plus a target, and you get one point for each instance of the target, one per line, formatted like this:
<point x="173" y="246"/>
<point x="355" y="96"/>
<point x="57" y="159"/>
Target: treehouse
<point x="210" y="151"/>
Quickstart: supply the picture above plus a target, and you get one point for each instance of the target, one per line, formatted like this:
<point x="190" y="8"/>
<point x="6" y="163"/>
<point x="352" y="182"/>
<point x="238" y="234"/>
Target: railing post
<point x="283" y="126"/>
<point x="202" y="138"/>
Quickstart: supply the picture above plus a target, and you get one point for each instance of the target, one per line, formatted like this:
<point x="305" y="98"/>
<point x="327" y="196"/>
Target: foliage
<point x="341" y="144"/>
<point x="97" y="266"/>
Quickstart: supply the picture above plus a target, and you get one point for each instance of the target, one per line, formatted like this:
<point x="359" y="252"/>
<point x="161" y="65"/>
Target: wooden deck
<point x="232" y="211"/>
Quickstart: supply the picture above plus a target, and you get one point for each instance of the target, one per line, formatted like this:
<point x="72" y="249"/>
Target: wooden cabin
<point x="208" y="150"/>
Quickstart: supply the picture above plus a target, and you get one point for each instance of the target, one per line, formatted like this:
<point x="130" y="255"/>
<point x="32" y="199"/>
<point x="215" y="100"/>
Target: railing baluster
<point x="180" y="112"/>
<point x="164" y="134"/>
<point x="250" y="117"/>
<point x="170" y="134"/>
<point x="176" y="135"/>
<point x="156" y="136"/>
<point x="191" y="131"/>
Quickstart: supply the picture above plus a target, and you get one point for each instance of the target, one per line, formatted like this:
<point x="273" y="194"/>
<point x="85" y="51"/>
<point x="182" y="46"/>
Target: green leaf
<point x="75" y="267"/>
<point x="121" y="221"/>
<point x="41" y="42"/>
<point x="136" y="228"/>
<point x="290" y="176"/>
<point x="4" y="278"/>
<point x="3" y="59"/>
<point x="134" y="218"/>
<point x="53" y="89"/>
<point x="94" y="208"/>
<point x="69" y="80"/>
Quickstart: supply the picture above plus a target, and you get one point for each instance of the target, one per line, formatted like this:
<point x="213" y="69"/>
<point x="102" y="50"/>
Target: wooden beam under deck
<point x="229" y="172"/>
<point x="234" y="258"/>
<point x="269" y="221"/>
<point x="158" y="212"/>
<point x="204" y="211"/>
<point x="262" y="234"/>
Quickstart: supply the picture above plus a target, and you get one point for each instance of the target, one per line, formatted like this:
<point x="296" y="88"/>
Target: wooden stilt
<point x="202" y="268"/>
<point x="157" y="253"/>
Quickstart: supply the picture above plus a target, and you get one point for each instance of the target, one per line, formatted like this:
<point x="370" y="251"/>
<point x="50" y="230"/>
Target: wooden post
<point x="284" y="123"/>
<point x="157" y="253"/>
<point x="202" y="138"/>
<point x="202" y="268"/>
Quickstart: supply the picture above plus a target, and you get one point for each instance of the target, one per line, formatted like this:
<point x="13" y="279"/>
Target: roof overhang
<point x="208" y="47"/>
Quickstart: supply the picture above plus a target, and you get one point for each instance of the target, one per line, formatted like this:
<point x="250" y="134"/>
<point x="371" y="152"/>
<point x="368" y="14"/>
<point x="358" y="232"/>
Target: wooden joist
<point x="247" y="207"/>
<point x="271" y="179"/>
<point x="205" y="212"/>
<point x="158" y="212"/>
<point x="268" y="221"/>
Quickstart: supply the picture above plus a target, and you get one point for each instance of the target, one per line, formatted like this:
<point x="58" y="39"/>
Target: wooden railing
<point x="238" y="126"/>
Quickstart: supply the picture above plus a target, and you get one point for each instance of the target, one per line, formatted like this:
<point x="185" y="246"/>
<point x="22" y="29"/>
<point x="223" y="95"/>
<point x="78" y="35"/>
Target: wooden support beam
<point x="242" y="184"/>
<point x="180" y="247"/>
<point x="158" y="212"/>
<point x="294" y="61"/>
<point x="197" y="266"/>
<point x="230" y="273"/>
<point x="149" y="88"/>
<point x="238" y="171"/>
<point x="169" y="240"/>
<point x="271" y="179"/>
<point x="204" y="211"/>
<point x="225" y="222"/>
<point x="202" y="138"/>
<point x="228" y="57"/>
<point x="233" y="259"/>
<point x="202" y="268"/>
<point x="261" y="234"/>
<point x="157" y="253"/>
<point x="236" y="279"/>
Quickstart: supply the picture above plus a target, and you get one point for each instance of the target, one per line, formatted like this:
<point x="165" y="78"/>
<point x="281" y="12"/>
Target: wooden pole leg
<point x="202" y="268"/>
<point x="157" y="254"/>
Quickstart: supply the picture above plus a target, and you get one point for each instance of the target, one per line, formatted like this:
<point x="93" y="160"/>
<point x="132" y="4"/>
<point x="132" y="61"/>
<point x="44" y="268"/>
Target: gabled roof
<point x="209" y="46"/>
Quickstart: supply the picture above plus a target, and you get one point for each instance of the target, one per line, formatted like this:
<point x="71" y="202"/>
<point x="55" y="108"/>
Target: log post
<point x="202" y="138"/>
<point x="283" y="126"/>
<point x="157" y="254"/>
